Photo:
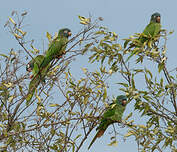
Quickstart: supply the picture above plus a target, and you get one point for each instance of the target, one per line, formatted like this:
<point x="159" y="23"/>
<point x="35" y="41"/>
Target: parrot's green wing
<point x="32" y="86"/>
<point x="152" y="29"/>
<point x="38" y="75"/>
<point x="105" y="121"/>
<point x="34" y="65"/>
<point x="38" y="59"/>
<point x="112" y="114"/>
<point x="37" y="62"/>
<point x="57" y="47"/>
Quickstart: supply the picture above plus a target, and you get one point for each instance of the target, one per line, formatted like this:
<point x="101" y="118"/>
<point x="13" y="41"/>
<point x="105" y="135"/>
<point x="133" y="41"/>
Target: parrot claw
<point x="59" y="57"/>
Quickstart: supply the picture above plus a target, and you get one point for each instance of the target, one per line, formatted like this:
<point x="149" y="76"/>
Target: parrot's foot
<point x="59" y="56"/>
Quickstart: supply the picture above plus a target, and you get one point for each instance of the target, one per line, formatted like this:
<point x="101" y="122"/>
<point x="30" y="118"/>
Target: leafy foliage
<point x="64" y="104"/>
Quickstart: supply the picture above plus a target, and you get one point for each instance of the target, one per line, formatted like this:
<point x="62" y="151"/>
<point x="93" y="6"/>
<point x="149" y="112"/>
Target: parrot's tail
<point x="98" y="135"/>
<point x="32" y="86"/>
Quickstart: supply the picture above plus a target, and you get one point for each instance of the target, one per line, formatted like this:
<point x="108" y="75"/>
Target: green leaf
<point x="140" y="59"/>
<point x="138" y="71"/>
<point x="4" y="55"/>
<point x="8" y="85"/>
<point x="12" y="21"/>
<point x="126" y="42"/>
<point x="147" y="71"/>
<point x="129" y="57"/>
<point x="54" y="105"/>
<point x="130" y="133"/>
<point x="132" y="81"/>
<point x="49" y="37"/>
<point x="128" y="116"/>
<point x="161" y="67"/>
<point x="84" y="20"/>
<point x="171" y="32"/>
<point x="113" y="143"/>
<point x="78" y="136"/>
<point x="123" y="84"/>
<point x="86" y="100"/>
<point x="10" y="99"/>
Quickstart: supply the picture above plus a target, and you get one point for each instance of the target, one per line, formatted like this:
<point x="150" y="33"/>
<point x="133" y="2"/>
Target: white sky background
<point x="124" y="17"/>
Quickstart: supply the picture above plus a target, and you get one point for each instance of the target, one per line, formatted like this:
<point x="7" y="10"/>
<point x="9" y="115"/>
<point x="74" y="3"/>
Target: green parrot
<point x="152" y="30"/>
<point x="57" y="47"/>
<point x="41" y="64"/>
<point x="33" y="66"/>
<point x="112" y="115"/>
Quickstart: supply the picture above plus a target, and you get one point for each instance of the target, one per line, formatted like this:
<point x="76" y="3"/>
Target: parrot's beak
<point x="158" y="19"/>
<point x="124" y="102"/>
<point x="29" y="70"/>
<point x="69" y="33"/>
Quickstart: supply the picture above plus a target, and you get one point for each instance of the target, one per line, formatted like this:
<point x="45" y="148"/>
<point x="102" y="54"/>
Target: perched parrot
<point x="112" y="115"/>
<point x="57" y="47"/>
<point x="56" y="50"/>
<point x="37" y="76"/>
<point x="152" y="30"/>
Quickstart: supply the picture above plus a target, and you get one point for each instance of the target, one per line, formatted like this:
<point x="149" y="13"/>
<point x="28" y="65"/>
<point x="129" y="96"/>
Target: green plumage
<point x="34" y="65"/>
<point x="37" y="75"/>
<point x="41" y="64"/>
<point x="57" y="47"/>
<point x="112" y="115"/>
<point x="32" y="86"/>
<point x="153" y="28"/>
<point x="149" y="33"/>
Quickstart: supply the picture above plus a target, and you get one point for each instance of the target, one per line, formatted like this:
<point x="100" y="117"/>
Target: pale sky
<point x="124" y="17"/>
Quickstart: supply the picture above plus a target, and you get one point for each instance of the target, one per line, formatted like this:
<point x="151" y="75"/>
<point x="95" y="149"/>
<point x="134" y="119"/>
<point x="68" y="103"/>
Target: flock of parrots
<point x="41" y="64"/>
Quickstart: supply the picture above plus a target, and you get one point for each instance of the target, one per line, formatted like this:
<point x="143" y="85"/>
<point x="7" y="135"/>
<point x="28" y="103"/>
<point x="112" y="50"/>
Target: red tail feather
<point x="100" y="133"/>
